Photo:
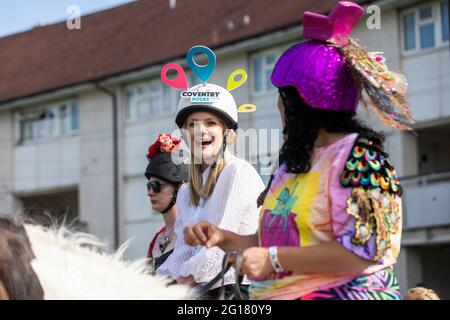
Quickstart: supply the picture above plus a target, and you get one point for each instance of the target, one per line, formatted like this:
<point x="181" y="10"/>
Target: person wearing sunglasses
<point x="165" y="178"/>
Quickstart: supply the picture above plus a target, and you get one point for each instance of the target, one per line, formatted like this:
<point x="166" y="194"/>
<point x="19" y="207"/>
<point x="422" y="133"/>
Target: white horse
<point x="71" y="265"/>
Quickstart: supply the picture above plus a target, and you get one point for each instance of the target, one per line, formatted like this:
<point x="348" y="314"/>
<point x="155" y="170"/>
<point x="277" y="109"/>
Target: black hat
<point x="161" y="164"/>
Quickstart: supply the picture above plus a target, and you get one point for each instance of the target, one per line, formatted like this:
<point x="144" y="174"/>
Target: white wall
<point x="141" y="221"/>
<point x="428" y="76"/>
<point x="47" y="164"/>
<point x="8" y="204"/>
<point x="96" y="164"/>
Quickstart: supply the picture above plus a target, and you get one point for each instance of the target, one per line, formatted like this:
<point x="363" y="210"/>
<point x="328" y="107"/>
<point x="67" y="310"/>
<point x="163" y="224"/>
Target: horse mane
<point x="18" y="280"/>
<point x="74" y="265"/>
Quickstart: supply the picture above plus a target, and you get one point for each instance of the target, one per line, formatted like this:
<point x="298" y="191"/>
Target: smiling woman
<point x="207" y="138"/>
<point x="222" y="189"/>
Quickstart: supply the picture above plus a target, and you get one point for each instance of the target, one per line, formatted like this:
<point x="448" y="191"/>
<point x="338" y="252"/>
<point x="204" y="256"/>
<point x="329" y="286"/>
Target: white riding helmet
<point x="211" y="98"/>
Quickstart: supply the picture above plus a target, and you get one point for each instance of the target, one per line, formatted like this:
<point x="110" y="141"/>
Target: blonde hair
<point x="199" y="190"/>
<point x="420" y="293"/>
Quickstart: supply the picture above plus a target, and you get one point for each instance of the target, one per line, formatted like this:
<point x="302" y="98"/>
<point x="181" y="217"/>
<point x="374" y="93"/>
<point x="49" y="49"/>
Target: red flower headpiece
<point x="164" y="143"/>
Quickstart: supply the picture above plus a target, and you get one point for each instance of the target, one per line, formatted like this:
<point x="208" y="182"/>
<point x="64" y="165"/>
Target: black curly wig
<point x="302" y="125"/>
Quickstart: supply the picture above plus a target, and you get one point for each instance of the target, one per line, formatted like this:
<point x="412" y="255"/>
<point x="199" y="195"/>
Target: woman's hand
<point x="186" y="280"/>
<point x="203" y="233"/>
<point x="256" y="264"/>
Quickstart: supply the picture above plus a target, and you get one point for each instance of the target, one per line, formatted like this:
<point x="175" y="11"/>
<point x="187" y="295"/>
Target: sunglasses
<point x="155" y="185"/>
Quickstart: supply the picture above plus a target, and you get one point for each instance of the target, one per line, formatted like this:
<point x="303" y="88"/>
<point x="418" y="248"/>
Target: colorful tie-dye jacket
<point x="351" y="194"/>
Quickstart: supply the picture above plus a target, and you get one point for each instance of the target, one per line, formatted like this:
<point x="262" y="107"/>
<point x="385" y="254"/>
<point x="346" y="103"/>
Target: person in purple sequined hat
<point x="333" y="72"/>
<point x="320" y="74"/>
<point x="331" y="217"/>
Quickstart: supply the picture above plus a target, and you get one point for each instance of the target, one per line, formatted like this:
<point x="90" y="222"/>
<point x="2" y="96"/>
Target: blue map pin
<point x="202" y="72"/>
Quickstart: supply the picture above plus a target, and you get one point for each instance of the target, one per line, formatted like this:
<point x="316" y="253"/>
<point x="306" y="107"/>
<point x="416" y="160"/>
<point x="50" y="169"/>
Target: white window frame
<point x="437" y="21"/>
<point x="29" y="116"/>
<point x="163" y="95"/>
<point x="262" y="55"/>
<point x="68" y="105"/>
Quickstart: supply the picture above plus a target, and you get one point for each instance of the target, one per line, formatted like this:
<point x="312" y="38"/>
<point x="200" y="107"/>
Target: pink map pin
<point x="180" y="82"/>
<point x="336" y="27"/>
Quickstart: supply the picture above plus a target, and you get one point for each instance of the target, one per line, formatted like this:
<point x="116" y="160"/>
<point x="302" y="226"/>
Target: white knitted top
<point x="232" y="206"/>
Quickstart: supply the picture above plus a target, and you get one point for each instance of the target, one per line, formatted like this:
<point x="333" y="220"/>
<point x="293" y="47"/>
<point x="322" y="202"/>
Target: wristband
<point x="273" y="254"/>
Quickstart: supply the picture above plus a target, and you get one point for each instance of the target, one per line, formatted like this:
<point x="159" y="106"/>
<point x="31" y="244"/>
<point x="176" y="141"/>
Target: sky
<point x="21" y="15"/>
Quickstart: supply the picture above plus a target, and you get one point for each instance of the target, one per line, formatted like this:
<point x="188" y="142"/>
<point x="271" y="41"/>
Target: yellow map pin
<point x="247" y="107"/>
<point x="232" y="84"/>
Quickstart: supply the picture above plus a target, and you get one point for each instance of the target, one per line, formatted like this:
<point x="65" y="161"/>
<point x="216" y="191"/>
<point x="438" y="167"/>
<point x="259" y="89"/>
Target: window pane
<point x="154" y="86"/>
<point x="425" y="13"/>
<point x="409" y="30"/>
<point x="270" y="59"/>
<point x="129" y="104"/>
<point x="23" y="131"/>
<point x="74" y="115"/>
<point x="64" y="116"/>
<point x="63" y="112"/>
<point x="154" y="105"/>
<point x="51" y="118"/>
<point x="41" y="128"/>
<point x="155" y="98"/>
<point x="168" y="100"/>
<point x="257" y="67"/>
<point x="29" y="134"/>
<point x="142" y="108"/>
<point x="427" y="36"/>
<point x="445" y="22"/>
<point x="269" y="85"/>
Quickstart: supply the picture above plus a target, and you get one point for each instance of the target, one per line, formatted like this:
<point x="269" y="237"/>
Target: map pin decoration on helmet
<point x="205" y="72"/>
<point x="180" y="82"/>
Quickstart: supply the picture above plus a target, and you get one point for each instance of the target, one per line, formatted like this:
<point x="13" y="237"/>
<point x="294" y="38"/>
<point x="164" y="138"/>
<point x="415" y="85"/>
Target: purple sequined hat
<point x="317" y="68"/>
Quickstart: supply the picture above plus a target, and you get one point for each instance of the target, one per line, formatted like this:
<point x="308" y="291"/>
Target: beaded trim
<point x="368" y="166"/>
<point x="373" y="202"/>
